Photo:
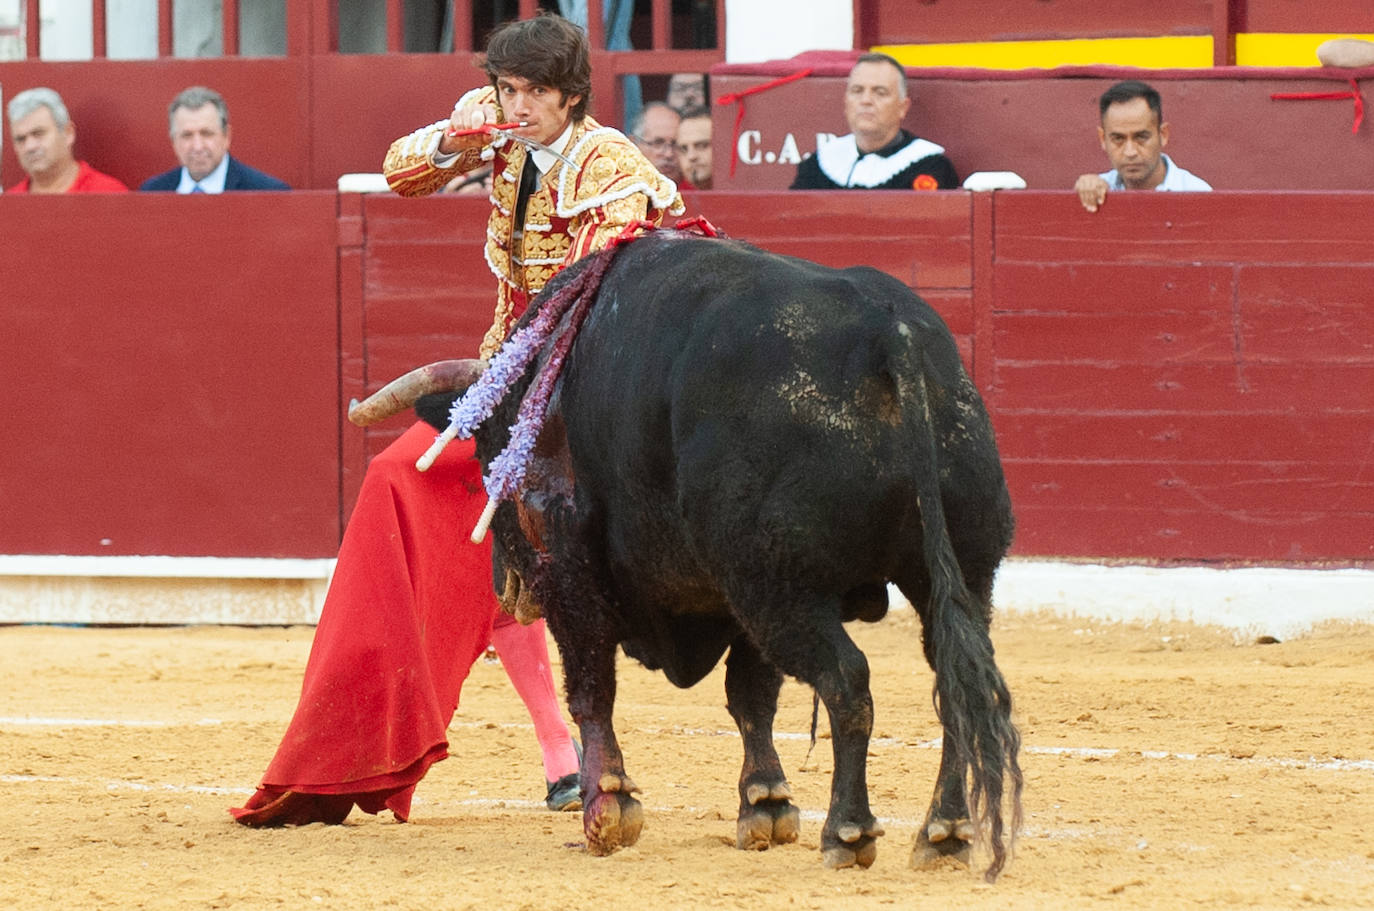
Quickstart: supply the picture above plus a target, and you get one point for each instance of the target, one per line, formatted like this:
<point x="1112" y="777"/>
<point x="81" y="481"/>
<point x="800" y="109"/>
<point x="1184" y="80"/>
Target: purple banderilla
<point x="507" y="471"/>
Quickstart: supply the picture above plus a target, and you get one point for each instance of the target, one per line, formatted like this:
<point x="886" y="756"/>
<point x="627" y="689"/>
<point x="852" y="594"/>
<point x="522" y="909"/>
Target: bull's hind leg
<point x="948" y="830"/>
<point x="807" y="640"/>
<point x="767" y="815"/>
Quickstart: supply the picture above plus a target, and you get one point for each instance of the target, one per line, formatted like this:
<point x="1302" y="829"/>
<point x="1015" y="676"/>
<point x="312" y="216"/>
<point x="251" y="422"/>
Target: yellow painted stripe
<point x="1155" y="53"/>
<point x="1283" y="49"/>
<point x="1252" y="49"/>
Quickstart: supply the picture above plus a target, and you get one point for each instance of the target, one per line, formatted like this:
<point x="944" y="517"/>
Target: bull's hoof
<point x="767" y="817"/>
<point x="613" y="819"/>
<point x="943" y="839"/>
<point x="768" y="823"/>
<point x="841" y="856"/>
<point x="851" y="846"/>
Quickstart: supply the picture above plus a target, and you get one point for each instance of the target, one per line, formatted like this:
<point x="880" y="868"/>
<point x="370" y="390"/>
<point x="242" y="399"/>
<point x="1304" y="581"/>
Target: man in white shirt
<point x="1133" y="133"/>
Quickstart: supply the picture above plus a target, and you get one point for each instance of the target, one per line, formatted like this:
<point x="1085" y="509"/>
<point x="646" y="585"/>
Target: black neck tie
<point x="529" y="177"/>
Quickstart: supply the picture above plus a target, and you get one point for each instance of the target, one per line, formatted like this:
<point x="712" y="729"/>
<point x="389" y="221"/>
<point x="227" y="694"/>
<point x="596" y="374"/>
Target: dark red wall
<point x="1187" y="374"/>
<point x="171" y="365"/>
<point x="1042" y="124"/>
<point x="304" y="119"/>
<point x="1179" y="377"/>
<point x="935" y="21"/>
<point x="119" y="108"/>
<point x="1336" y="16"/>
<point x="310" y="119"/>
<point x="929" y="21"/>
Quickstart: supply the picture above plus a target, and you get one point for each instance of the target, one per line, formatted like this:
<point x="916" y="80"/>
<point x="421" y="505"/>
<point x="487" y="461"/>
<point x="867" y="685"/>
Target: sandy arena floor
<point x="1167" y="767"/>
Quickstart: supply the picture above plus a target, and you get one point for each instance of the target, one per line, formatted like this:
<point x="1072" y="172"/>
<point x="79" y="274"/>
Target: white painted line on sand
<point x="481" y="803"/>
<point x="27" y="721"/>
<point x="1081" y="752"/>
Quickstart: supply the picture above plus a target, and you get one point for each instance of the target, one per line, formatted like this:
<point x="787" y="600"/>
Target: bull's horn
<point x="401" y="393"/>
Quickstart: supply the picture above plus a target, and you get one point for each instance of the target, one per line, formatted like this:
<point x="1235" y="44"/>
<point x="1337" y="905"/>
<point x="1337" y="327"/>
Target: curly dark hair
<point x="547" y="50"/>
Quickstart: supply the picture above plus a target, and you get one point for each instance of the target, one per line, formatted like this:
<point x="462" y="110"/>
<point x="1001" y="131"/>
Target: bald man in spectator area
<point x="878" y="154"/>
<point x="1133" y="133"/>
<point x="44" y="136"/>
<point x="654" y="132"/>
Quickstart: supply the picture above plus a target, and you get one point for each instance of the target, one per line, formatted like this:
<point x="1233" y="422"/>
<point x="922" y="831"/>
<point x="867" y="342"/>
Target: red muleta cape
<point x="408" y="611"/>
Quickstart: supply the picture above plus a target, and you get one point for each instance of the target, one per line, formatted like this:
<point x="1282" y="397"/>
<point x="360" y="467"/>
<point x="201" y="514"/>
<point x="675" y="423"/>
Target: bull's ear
<point x="434" y="407"/>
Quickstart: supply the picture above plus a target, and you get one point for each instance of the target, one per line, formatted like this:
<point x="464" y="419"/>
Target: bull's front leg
<point x="611" y="816"/>
<point x="767" y="815"/>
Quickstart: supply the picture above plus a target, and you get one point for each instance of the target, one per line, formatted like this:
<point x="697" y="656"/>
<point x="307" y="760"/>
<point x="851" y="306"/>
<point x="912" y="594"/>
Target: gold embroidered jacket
<point x="570" y="213"/>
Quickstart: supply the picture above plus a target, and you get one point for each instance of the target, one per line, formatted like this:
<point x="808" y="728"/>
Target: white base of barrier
<point x="161" y="590"/>
<point x="1250" y="600"/>
<point x="189" y="590"/>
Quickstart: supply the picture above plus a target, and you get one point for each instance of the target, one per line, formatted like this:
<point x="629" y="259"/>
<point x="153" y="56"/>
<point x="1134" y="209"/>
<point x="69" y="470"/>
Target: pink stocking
<point x="524" y="654"/>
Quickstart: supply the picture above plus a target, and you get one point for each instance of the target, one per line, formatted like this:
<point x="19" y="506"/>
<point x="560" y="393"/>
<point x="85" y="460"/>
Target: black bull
<point x="742" y="451"/>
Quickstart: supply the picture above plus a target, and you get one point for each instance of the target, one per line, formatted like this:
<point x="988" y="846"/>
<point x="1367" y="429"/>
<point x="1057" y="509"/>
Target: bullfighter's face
<point x="1134" y="141"/>
<point x="545" y="110"/>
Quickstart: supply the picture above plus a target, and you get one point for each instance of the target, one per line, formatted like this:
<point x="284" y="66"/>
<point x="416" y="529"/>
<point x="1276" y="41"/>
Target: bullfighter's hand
<point x="468" y="117"/>
<point x="1091" y="190"/>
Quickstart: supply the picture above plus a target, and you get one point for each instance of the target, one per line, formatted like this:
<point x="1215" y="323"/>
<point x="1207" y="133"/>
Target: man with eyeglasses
<point x="654" y="131"/>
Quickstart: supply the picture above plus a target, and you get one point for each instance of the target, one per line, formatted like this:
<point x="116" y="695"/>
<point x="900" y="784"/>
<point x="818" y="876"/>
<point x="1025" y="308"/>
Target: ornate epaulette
<point x="610" y="167"/>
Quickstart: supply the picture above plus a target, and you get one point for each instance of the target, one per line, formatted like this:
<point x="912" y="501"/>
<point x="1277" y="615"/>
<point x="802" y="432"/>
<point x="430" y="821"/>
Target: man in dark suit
<point x="198" y="120"/>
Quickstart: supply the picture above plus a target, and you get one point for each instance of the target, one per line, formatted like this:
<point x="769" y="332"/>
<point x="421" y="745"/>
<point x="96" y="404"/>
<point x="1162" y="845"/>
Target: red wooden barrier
<point x="171" y="365"/>
<point x="1187" y="375"/>
<point x="1179" y="377"/>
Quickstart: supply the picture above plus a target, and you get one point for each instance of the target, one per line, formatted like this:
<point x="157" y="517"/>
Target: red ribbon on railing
<point x="738" y="97"/>
<point x="1327" y="96"/>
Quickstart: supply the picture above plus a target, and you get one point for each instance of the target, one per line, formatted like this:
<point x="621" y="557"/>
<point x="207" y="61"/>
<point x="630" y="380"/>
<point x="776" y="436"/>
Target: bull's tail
<point x="971" y="697"/>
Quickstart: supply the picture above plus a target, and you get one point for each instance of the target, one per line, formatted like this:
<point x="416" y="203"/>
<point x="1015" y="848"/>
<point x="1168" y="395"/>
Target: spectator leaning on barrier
<point x="44" y="136"/>
<point x="198" y="120"/>
<point x="694" y="148"/>
<point x="1133" y="133"/>
<point x="877" y="154"/>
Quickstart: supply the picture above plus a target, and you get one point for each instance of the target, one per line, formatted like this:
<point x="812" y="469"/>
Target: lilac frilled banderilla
<point x="507" y="471"/>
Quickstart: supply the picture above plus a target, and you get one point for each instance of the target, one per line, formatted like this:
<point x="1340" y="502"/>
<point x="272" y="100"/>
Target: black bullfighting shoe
<point x="565" y="794"/>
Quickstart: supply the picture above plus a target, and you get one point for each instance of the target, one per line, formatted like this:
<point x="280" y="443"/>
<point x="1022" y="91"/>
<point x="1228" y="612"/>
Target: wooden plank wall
<point x="1179" y="377"/>
<point x="172" y="374"/>
<point x="1187" y="376"/>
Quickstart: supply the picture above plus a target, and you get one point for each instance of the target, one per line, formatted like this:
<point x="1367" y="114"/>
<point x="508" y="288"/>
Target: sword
<point x="504" y="130"/>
